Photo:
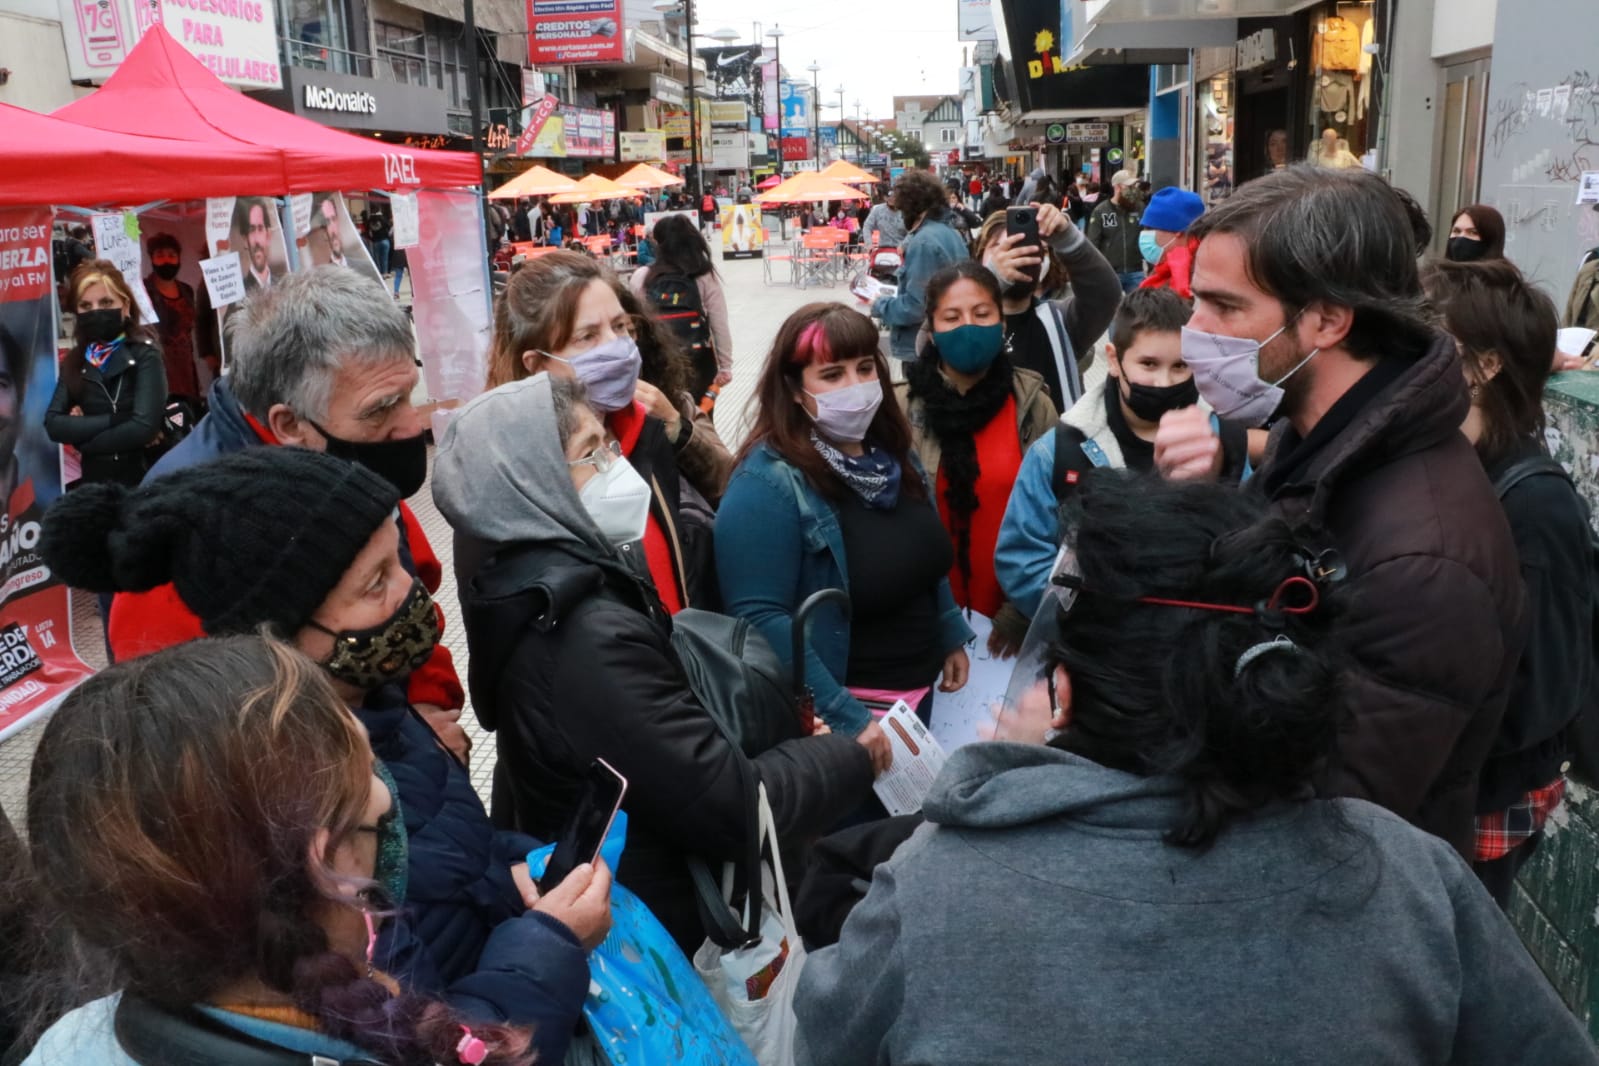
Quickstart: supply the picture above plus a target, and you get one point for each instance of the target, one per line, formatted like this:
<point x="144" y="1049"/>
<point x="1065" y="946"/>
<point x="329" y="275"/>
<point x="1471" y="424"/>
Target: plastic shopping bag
<point x="645" y="1003"/>
<point x="754" y="985"/>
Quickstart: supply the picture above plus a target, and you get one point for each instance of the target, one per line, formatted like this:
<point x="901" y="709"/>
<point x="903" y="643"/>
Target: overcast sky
<point x="875" y="49"/>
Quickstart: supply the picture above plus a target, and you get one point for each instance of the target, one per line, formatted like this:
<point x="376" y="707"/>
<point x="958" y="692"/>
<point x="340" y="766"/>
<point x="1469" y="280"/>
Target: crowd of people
<point x="1289" y="584"/>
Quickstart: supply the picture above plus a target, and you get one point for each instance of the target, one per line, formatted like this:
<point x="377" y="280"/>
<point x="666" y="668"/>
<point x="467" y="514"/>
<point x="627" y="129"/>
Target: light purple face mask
<point x="1227" y="372"/>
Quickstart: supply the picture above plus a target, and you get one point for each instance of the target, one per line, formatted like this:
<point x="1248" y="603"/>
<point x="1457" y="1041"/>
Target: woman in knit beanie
<point x="303" y="545"/>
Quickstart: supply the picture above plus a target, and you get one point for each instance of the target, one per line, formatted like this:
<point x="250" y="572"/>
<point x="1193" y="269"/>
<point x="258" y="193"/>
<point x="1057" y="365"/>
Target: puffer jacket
<point x="123" y="404"/>
<point x="572" y="661"/>
<point x="466" y="934"/>
<point x="1434" y="622"/>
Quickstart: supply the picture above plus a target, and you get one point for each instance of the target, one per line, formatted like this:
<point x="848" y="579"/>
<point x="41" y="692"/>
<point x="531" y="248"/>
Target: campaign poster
<point x="38" y="663"/>
<point x="248" y="227"/>
<point x="331" y="238"/>
<point x="173" y="245"/>
<point x="743" y="236"/>
<point x="574" y="32"/>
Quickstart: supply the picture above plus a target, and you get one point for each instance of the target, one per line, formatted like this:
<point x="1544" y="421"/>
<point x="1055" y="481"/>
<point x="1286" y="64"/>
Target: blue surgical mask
<point x="970" y="349"/>
<point x="1149" y="247"/>
<point x="609" y="370"/>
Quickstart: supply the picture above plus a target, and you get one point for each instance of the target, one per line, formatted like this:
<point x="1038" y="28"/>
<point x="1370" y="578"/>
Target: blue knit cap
<point x="1172" y="209"/>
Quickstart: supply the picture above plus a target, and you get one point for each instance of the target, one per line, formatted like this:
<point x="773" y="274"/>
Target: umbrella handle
<point x="802" y="618"/>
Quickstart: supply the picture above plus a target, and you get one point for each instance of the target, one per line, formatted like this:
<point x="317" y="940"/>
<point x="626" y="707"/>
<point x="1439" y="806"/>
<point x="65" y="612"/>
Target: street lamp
<point x="686" y="9"/>
<point x="777" y="60"/>
<point x="816" y="98"/>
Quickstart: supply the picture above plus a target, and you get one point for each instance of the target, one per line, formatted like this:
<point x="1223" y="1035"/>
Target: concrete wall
<point x="1411" y="96"/>
<point x="1463" y="25"/>
<point x="33" y="50"/>
<point x="1543" y="133"/>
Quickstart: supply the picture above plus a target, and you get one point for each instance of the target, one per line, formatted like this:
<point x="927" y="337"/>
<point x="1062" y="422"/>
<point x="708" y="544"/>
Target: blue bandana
<point x="873" y="476"/>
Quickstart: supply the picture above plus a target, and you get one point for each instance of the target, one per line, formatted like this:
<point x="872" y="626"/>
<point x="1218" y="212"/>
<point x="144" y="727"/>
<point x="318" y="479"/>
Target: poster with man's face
<point x="258" y="238"/>
<point x="37" y="660"/>
<point x="334" y="239"/>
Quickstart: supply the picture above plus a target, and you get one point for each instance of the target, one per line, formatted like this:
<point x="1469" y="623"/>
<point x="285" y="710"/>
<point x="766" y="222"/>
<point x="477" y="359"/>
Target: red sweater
<point x="999" y="460"/>
<point x="144" y="622"/>
<point x="627" y="424"/>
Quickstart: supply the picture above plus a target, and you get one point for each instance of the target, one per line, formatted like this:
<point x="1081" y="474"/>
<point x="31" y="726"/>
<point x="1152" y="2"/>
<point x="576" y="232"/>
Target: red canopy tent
<point x="161" y="90"/>
<point x="48" y="161"/>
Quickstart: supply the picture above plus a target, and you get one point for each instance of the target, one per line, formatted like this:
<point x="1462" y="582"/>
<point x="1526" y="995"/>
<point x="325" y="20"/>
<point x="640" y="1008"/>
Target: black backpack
<point x="1076" y="454"/>
<point x="677" y="299"/>
<point x="1582" y="735"/>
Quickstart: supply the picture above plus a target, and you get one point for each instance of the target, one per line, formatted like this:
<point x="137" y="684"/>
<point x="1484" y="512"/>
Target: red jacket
<point x="1175" y="271"/>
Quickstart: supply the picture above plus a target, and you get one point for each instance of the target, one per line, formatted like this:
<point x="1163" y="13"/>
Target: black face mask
<point x="101" y="326"/>
<point x="402" y="463"/>
<point x="1149" y="402"/>
<point x="1464" y="249"/>
<point x="166" y="271"/>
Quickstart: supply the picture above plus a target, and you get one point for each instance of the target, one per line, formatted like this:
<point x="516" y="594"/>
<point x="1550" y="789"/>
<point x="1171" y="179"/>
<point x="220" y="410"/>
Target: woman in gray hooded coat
<point x="1155" y="883"/>
<point x="571" y="655"/>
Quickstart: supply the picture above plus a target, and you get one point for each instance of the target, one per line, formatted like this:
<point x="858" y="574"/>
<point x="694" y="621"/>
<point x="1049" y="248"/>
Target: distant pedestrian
<point x="1113" y="229"/>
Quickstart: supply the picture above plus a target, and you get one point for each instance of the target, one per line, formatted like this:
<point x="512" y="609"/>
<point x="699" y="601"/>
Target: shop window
<point x="948" y="136"/>
<point x="319" y="37"/>
<point x="402" y="53"/>
<point x="1342" y="119"/>
<point x="1215" y="136"/>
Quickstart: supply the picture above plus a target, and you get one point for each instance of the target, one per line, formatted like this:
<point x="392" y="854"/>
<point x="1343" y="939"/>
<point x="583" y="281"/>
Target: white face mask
<point x="1227" y="373"/>
<point x="846" y="414"/>
<point x="618" y="501"/>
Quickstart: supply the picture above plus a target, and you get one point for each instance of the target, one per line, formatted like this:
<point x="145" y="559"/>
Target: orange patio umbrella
<point x="592" y="189"/>
<point x="534" y="181"/>
<point x="645" y="176"/>
<point x="849" y="173"/>
<point x="807" y="188"/>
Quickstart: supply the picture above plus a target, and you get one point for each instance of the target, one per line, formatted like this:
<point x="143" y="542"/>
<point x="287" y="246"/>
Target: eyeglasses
<point x="602" y="458"/>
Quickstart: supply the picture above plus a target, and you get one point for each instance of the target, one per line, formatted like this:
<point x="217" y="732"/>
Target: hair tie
<point x="1265" y="647"/>
<point x="471" y="1050"/>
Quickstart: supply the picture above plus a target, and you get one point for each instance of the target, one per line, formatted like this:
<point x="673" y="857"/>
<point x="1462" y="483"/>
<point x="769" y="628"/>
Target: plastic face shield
<point x="1024" y="716"/>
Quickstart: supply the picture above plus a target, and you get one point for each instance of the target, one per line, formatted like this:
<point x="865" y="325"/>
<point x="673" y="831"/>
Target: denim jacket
<point x="931" y="246"/>
<point x="778" y="541"/>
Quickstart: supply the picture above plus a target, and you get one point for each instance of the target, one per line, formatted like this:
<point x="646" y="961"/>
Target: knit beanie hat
<point x="258" y="537"/>
<point x="1172" y="209"/>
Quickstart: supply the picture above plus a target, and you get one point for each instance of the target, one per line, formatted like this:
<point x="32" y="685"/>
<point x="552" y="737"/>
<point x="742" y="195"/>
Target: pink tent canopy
<point x="162" y="91"/>
<point x="48" y="161"/>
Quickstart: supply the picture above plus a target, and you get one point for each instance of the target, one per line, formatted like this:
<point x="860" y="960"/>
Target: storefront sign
<point x="771" y="105"/>
<point x="1259" y="49"/>
<point x="976" y="20"/>
<point x="321" y="98"/>
<point x="1088" y="133"/>
<point x="497" y="137"/>
<point x="533" y="124"/>
<point x="641" y="146"/>
<point x="730" y="150"/>
<point x="730" y="113"/>
<point x="590" y="132"/>
<point x="666" y="90"/>
<point x="573" y="32"/>
<point x="795" y="148"/>
<point x="1055" y="133"/>
<point x="237" y="40"/>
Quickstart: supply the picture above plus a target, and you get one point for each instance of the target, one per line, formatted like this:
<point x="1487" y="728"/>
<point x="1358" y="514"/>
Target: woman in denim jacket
<point x="829" y="473"/>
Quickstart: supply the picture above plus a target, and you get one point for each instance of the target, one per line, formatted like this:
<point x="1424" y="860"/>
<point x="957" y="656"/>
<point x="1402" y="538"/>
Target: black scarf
<point x="954" y="420"/>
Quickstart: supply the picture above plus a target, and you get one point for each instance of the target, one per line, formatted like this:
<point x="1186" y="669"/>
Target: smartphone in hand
<point x="579" y="842"/>
<point x="1024" y="220"/>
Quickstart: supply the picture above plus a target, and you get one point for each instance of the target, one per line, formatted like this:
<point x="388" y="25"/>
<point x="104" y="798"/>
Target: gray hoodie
<point x="500" y="475"/>
<point x="1040" y="917"/>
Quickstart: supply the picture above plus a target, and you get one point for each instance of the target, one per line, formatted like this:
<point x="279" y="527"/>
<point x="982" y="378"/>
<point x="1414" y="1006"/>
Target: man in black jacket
<point x="1316" y="270"/>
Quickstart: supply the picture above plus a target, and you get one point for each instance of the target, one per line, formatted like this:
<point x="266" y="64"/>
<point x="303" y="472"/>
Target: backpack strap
<point x="1075" y="454"/>
<point x="152" y="1035"/>
<point x="1060" y="343"/>
<point x="1522" y="469"/>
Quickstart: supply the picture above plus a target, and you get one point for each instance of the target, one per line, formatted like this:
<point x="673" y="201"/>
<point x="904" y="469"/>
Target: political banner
<point x="743" y="236"/>
<point x="574" y="32"/>
<point x="248" y="227"/>
<point x="38" y="663"/>
<point x="333" y="239"/>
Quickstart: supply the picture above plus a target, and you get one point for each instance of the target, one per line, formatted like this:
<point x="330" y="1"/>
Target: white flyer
<point x="407" y="223"/>
<point x="1588" y="187"/>
<point x="960" y="718"/>
<point x="918" y="758"/>
<point x="116" y="238"/>
<point x="224" y="279"/>
<point x="869" y="288"/>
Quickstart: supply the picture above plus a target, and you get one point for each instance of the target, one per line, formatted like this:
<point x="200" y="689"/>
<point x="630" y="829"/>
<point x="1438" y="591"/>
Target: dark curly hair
<point x="1158" y="690"/>
<point x="916" y="193"/>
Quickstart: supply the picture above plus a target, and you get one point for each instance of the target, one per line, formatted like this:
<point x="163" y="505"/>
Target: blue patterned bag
<point x="646" y="1005"/>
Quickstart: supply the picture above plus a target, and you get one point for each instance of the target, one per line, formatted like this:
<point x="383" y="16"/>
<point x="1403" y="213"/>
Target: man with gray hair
<point x="321" y="360"/>
<point x="1309" y="310"/>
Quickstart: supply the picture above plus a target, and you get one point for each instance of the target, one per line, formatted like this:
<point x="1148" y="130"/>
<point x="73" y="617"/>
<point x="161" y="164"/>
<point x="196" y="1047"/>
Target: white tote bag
<point x="755" y="985"/>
